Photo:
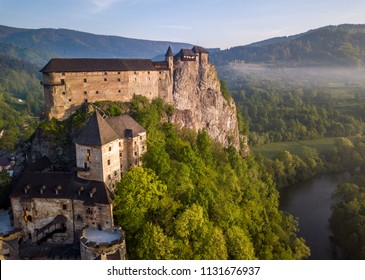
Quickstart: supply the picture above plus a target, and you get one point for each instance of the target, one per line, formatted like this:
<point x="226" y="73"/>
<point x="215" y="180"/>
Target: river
<point x="310" y="201"/>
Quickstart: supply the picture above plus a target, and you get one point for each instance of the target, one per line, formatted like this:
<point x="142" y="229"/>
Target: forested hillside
<point x="70" y="43"/>
<point x="332" y="45"/>
<point x="21" y="101"/>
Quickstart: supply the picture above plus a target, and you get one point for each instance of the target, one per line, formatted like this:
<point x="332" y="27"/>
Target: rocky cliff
<point x="200" y="104"/>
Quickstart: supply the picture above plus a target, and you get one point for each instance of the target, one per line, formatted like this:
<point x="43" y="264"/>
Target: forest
<point x="21" y="101"/>
<point x="194" y="199"/>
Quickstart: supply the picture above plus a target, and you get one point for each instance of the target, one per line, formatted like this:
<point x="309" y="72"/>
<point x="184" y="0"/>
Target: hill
<point x="330" y="46"/>
<point x="39" y="45"/>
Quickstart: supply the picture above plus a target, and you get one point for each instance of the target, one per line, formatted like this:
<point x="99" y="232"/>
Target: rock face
<point x="200" y="104"/>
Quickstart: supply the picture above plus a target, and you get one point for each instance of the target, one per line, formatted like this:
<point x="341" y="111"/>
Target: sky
<point x="209" y="23"/>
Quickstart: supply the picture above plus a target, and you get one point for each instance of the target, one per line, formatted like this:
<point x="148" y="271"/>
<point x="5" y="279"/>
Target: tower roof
<point x="96" y="132"/>
<point x="198" y="49"/>
<point x="169" y="52"/>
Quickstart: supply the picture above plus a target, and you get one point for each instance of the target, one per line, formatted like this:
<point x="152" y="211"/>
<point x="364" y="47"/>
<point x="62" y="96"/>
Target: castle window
<point x="85" y="92"/>
<point x="120" y="154"/>
<point x="135" y="153"/>
<point x="105" y="79"/>
<point x="118" y="73"/>
<point x="142" y="148"/>
<point x="115" y="173"/>
<point x="135" y="79"/>
<point x="105" y="73"/>
<point x="140" y="137"/>
<point x="63" y="74"/>
<point x="148" y="72"/>
<point x="160" y="72"/>
<point x="109" y="177"/>
<point x="135" y="72"/>
<point x="89" y="211"/>
<point x="110" y="148"/>
<point x="119" y="91"/>
<point x="108" y="161"/>
<point x="62" y="81"/>
<point x="64" y="93"/>
<point x="79" y="218"/>
<point x="64" y="207"/>
<point x="85" y="80"/>
<point x="97" y="92"/>
<point x="120" y="144"/>
<point x="118" y="79"/>
<point x="70" y="100"/>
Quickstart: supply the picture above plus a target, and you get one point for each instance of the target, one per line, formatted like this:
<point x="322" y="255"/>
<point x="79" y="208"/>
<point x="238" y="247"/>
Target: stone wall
<point x="42" y="212"/>
<point x="65" y="92"/>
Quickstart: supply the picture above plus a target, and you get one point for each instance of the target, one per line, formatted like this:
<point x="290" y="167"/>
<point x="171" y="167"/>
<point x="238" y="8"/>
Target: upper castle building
<point x="69" y="82"/>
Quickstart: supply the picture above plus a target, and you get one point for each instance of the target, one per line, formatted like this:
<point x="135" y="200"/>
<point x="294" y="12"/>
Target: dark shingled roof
<point x="99" y="131"/>
<point x="197" y="49"/>
<point x="67" y="184"/>
<point x="97" y="64"/>
<point x="124" y="122"/>
<point x="96" y="132"/>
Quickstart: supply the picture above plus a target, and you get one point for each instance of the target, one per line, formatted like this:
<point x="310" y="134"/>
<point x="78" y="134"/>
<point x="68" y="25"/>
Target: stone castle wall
<point x="65" y="92"/>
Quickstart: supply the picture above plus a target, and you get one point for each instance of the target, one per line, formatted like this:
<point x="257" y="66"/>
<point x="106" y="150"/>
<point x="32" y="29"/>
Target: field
<point x="272" y="149"/>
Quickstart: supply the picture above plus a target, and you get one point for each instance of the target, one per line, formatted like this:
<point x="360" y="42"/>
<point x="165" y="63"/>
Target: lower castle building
<point x="68" y="209"/>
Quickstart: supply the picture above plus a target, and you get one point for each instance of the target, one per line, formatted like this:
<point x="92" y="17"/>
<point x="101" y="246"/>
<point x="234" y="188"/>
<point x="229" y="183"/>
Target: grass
<point x="272" y="149"/>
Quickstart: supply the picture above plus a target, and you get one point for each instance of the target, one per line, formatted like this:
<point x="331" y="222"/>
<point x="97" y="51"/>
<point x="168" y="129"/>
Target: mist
<point x="304" y="76"/>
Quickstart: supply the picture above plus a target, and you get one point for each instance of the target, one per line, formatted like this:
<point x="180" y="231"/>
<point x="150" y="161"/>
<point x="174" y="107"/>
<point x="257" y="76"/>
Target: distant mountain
<point x="39" y="45"/>
<point x="331" y="45"/>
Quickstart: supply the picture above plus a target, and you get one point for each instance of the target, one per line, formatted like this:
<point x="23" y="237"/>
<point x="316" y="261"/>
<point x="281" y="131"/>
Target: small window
<point x="118" y="79"/>
<point x="120" y="144"/>
<point x="110" y="148"/>
<point x="64" y="207"/>
<point x="85" y="92"/>
<point x="85" y="80"/>
<point x="64" y="93"/>
<point x="109" y="177"/>
<point x="63" y="74"/>
<point x="135" y="153"/>
<point x="97" y="92"/>
<point x="105" y="79"/>
<point x="119" y="91"/>
<point x="118" y="73"/>
<point x="70" y="100"/>
<point x="148" y="72"/>
<point x="120" y="154"/>
<point x="140" y="137"/>
<point x="135" y="73"/>
<point x="115" y="173"/>
<point x="62" y="81"/>
<point x="108" y="161"/>
<point x="105" y="73"/>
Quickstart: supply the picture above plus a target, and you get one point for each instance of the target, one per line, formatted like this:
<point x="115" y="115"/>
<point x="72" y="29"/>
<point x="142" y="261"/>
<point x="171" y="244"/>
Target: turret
<point x="169" y="57"/>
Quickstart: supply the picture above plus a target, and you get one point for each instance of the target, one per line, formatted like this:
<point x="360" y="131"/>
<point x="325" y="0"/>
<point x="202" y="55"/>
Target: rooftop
<point x="97" y="65"/>
<point x="99" y="131"/>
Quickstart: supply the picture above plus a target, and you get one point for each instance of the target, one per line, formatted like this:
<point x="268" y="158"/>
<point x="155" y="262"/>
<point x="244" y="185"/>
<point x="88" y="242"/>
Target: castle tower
<point x="107" y="147"/>
<point x="169" y="57"/>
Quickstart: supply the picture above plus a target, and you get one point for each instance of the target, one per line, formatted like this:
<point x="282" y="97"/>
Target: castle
<point x="74" y="208"/>
<point x="68" y="83"/>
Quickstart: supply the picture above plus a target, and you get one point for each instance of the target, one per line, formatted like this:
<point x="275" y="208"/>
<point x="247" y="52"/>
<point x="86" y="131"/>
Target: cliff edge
<point x="200" y="104"/>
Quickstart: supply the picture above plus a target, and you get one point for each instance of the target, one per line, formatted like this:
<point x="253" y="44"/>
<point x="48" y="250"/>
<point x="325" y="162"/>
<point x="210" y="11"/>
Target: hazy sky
<point x="210" y="23"/>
